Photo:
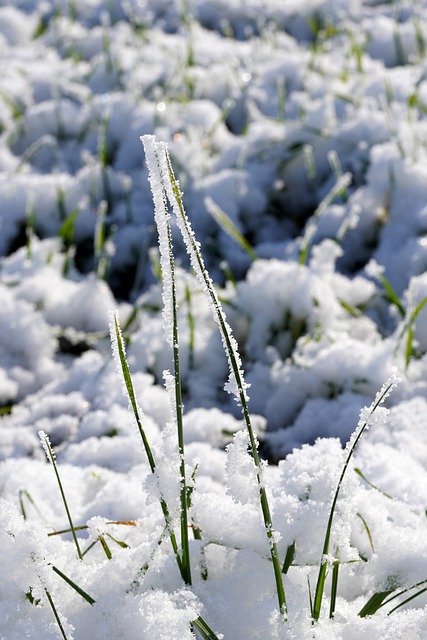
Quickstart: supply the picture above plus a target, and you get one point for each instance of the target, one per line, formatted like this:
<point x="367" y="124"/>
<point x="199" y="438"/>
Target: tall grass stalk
<point x="366" y="419"/>
<point x="51" y="458"/>
<point x="170" y="317"/>
<point x="164" y="181"/>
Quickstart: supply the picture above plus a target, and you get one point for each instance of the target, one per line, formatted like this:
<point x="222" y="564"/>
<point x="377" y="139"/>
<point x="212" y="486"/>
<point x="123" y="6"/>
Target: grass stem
<point x="51" y="457"/>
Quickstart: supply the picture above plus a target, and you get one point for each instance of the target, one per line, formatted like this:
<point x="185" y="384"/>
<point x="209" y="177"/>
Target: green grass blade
<point x="368" y="532"/>
<point x="21" y="504"/>
<point x="359" y="473"/>
<point x="67" y="229"/>
<point x="351" y="446"/>
<point x="100" y="241"/>
<point x="119" y="353"/>
<point x="55" y="613"/>
<point x="185" y="549"/>
<point x="117" y="340"/>
<point x="334" y="588"/>
<point x="227" y="225"/>
<point x="419" y="36"/>
<point x="62" y="531"/>
<point x="410" y="335"/>
<point x="353" y="311"/>
<point x="24" y="492"/>
<point x="51" y="457"/>
<point x="374" y="603"/>
<point x="391" y="295"/>
<point x="121" y="543"/>
<point x="72" y="584"/>
<point x="289" y="558"/>
<point x="91" y="546"/>
<point x="408" y="347"/>
<point x="204" y="629"/>
<point x="230" y="347"/>
<point x="30" y="228"/>
<point x="401" y="592"/>
<point x="6" y="411"/>
<point x="415" y="595"/>
<point x="310" y="596"/>
<point x="105" y="547"/>
<point x="191" y="328"/>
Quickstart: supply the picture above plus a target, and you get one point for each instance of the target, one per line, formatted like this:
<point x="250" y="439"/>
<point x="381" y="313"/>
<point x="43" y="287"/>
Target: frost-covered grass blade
<point x="364" y="423"/>
<point x="121" y="362"/>
<point x="170" y="316"/>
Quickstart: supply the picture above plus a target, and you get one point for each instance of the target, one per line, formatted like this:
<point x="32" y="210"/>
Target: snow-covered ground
<point x="304" y="124"/>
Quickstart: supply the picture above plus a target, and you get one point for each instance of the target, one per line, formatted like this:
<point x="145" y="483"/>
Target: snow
<point x="264" y="109"/>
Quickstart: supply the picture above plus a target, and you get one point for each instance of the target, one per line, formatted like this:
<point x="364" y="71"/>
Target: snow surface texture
<point x="265" y="106"/>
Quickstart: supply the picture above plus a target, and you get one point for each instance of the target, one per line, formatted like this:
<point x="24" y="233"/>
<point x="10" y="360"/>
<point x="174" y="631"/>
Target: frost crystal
<point x="373" y="415"/>
<point x="156" y="176"/>
<point x="170" y="388"/>
<point x="374" y="269"/>
<point x="114" y="327"/>
<point x="45" y="442"/>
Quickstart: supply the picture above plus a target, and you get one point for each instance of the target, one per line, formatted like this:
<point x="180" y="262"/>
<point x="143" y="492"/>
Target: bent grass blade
<point x="363" y="424"/>
<point x="381" y="599"/>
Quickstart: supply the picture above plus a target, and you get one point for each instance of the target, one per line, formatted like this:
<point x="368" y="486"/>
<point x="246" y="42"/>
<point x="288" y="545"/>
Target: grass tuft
<point x="165" y="182"/>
